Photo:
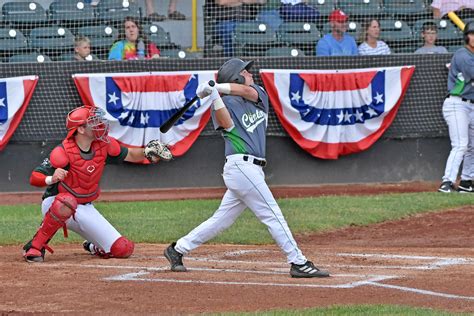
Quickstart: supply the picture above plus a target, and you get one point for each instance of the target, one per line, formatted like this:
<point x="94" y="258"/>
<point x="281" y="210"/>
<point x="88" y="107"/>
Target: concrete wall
<point x="421" y="159"/>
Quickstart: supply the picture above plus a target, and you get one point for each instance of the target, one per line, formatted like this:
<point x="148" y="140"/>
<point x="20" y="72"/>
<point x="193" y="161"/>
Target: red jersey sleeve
<point x="114" y="147"/>
<point x="38" y="179"/>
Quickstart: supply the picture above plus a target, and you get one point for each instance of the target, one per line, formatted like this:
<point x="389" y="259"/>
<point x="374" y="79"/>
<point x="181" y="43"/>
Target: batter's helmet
<point x="91" y="117"/>
<point x="230" y="71"/>
<point x="468" y="28"/>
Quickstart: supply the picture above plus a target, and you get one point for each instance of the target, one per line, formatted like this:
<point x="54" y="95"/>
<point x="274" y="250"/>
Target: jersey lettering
<point x="251" y="120"/>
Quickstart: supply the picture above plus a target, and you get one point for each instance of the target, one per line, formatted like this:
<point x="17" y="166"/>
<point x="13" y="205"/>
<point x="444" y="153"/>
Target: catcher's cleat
<point x="89" y="247"/>
<point x="307" y="270"/>
<point x="31" y="254"/>
<point x="175" y="258"/>
<point x="446" y="187"/>
<point x="465" y="186"/>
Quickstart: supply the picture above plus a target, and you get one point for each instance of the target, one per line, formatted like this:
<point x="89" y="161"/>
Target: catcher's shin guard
<point x="122" y="248"/>
<point x="61" y="210"/>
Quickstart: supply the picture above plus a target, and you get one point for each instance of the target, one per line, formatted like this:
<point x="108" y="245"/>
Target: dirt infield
<point x="425" y="260"/>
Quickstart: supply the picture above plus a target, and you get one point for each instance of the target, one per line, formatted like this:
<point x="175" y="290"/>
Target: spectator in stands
<point x="269" y="14"/>
<point x="337" y="43"/>
<point x="463" y="8"/>
<point x="227" y="13"/>
<point x="429" y="34"/>
<point x="371" y="45"/>
<point x="132" y="43"/>
<point x="298" y="11"/>
<point x="173" y="14"/>
<point x="82" y="48"/>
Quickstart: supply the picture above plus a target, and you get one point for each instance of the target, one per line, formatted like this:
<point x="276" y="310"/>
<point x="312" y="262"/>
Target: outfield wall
<point x="386" y="161"/>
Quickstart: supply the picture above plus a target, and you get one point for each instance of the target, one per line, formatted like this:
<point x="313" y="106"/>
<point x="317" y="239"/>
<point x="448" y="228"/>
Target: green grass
<point x="355" y="310"/>
<point x="164" y="221"/>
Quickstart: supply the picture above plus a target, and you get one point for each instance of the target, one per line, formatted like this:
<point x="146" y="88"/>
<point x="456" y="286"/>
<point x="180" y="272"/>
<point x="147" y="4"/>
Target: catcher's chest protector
<point x="85" y="170"/>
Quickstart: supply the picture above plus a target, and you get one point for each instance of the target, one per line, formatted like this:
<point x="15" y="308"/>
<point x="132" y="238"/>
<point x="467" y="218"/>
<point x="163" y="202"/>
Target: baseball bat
<point x="170" y="122"/>
<point x="456" y="20"/>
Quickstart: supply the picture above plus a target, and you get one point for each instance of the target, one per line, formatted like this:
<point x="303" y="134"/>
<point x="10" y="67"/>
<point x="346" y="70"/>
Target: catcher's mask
<point x="231" y="69"/>
<point x="89" y="117"/>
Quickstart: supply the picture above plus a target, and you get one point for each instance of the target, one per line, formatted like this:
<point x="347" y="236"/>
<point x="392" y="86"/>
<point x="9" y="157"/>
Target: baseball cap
<point x="338" y="16"/>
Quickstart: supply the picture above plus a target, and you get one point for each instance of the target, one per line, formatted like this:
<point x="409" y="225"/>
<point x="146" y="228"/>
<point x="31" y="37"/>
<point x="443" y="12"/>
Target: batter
<point x="242" y="116"/>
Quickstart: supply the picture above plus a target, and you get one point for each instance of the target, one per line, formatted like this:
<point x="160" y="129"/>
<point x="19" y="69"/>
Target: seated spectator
<point x="337" y="43"/>
<point x="132" y="43"/>
<point x="227" y="13"/>
<point x="82" y="48"/>
<point x="298" y="11"/>
<point x="463" y="8"/>
<point x="429" y="34"/>
<point x="370" y="39"/>
<point x="270" y="14"/>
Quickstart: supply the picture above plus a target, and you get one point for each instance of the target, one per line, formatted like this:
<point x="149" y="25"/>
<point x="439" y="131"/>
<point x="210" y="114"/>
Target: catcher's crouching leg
<point x="62" y="208"/>
<point x="122" y="248"/>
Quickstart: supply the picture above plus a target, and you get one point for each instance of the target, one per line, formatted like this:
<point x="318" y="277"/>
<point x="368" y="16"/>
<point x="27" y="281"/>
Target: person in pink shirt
<point x="464" y="8"/>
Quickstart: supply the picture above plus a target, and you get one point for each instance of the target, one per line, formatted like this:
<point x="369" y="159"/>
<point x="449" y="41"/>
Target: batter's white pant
<point x="89" y="224"/>
<point x="468" y="165"/>
<point x="246" y="187"/>
<point x="458" y="116"/>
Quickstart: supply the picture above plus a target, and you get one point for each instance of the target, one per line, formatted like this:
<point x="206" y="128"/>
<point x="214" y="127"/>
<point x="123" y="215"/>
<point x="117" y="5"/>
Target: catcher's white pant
<point x="246" y="187"/>
<point x="89" y="224"/>
<point x="459" y="117"/>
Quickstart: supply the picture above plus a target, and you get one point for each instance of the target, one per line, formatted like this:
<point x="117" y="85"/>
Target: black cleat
<point x="465" y="186"/>
<point x="175" y="258"/>
<point x="446" y="187"/>
<point x="307" y="270"/>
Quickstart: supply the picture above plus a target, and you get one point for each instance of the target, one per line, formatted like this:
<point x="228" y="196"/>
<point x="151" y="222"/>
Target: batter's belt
<point x="259" y="162"/>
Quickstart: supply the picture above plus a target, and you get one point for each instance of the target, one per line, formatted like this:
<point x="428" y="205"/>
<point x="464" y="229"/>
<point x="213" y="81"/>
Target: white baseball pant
<point x="457" y="114"/>
<point x="89" y="224"/>
<point x="246" y="187"/>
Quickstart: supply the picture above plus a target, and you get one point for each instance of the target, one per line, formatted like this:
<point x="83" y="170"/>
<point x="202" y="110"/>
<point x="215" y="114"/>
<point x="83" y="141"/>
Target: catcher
<point x="72" y="174"/>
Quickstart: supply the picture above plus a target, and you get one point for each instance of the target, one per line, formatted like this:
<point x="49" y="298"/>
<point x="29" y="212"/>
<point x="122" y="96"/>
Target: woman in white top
<point x="369" y="37"/>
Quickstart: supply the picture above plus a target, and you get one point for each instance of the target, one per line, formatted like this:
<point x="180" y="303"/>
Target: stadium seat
<point x="362" y="7"/>
<point x="71" y="11"/>
<point x="325" y="7"/>
<point x="157" y="35"/>
<point x="395" y="30"/>
<point x="446" y="30"/>
<point x="51" y="38"/>
<point x="32" y="57"/>
<point x="173" y="53"/>
<point x="12" y="40"/>
<point x="453" y="48"/>
<point x="113" y="10"/>
<point x="253" y="38"/>
<point x="28" y="12"/>
<point x="101" y="36"/>
<point x="298" y="33"/>
<point x="70" y="57"/>
<point x="406" y="7"/>
<point x="404" y="48"/>
<point x="284" y="51"/>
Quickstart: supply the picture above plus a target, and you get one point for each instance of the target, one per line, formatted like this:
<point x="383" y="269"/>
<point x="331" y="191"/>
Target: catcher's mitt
<point x="155" y="150"/>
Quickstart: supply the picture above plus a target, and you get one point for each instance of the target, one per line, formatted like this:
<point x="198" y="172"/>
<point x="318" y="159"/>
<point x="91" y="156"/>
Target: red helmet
<point x="88" y="116"/>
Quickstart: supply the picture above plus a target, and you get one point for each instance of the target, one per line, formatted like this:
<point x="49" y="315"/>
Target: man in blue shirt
<point x="337" y="43"/>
